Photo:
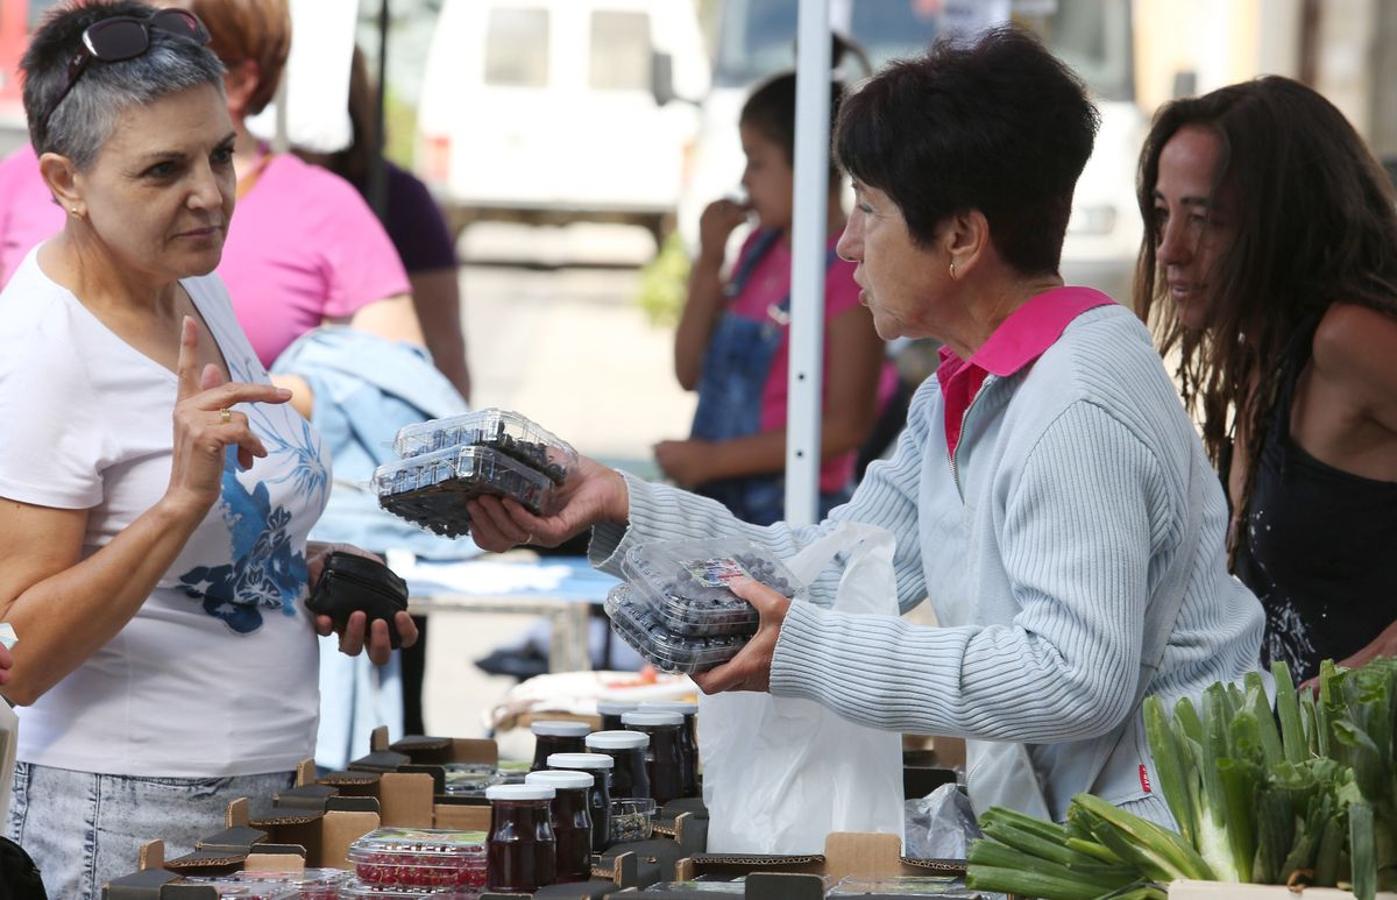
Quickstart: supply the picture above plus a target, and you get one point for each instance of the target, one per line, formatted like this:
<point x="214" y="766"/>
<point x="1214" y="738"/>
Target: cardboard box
<point x="154" y="881"/>
<point x="864" y="855"/>
<point x="409" y="783"/>
<point x="1214" y="890"/>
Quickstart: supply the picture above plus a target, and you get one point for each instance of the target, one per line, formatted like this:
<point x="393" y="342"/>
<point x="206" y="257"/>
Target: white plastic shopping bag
<point x="780" y="774"/>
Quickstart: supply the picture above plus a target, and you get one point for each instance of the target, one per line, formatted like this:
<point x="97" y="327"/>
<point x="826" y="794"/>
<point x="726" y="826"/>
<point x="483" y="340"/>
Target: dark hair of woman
<point x="1315" y="224"/>
<point x="771" y="109"/>
<point x="1001" y="126"/>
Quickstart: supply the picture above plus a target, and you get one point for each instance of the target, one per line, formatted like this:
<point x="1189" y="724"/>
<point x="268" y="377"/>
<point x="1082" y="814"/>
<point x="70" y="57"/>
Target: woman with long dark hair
<point x="1269" y="268"/>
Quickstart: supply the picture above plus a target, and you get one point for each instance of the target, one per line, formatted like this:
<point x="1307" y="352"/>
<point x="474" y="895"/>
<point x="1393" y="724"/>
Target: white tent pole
<point x="808" y="262"/>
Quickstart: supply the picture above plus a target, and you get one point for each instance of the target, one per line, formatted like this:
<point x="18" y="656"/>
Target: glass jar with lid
<point x="599" y="766"/>
<point x="630" y="777"/>
<point x="688" y="738"/>
<point x="611" y="712"/>
<point x="663" y="761"/>
<point x="557" y="737"/>
<point x="572" y="821"/>
<point x="522" y="852"/>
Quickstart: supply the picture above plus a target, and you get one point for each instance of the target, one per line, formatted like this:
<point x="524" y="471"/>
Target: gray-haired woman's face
<point x="160" y="193"/>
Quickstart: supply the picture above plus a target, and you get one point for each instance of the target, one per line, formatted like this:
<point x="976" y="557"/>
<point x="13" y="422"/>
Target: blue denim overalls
<point x="736" y="367"/>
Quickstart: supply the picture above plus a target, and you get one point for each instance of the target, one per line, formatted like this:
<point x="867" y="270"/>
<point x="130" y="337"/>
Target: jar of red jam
<point x="663" y="761"/>
<point x="557" y="737"/>
<point x="572" y="821"/>
<point x="522" y="854"/>
<point x="599" y="766"/>
<point x="629" y="777"/>
<point x="688" y="738"/>
<point x="611" y="712"/>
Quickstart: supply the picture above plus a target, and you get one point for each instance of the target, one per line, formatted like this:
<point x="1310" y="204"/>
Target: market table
<point x="562" y="588"/>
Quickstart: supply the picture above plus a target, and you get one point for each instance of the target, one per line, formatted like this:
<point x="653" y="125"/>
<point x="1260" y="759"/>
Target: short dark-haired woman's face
<point x="901" y="282"/>
<point x="768" y="178"/>
<point x="161" y="191"/>
<point x="1192" y="220"/>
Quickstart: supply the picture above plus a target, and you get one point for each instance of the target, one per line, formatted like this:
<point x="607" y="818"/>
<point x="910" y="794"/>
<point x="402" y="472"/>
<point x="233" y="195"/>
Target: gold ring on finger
<point x="226" y="415"/>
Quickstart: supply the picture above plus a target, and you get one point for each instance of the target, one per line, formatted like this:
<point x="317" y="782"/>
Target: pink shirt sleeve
<point x="361" y="264"/>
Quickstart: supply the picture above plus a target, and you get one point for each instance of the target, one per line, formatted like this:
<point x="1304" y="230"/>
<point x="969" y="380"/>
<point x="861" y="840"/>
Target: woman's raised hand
<point x="206" y="425"/>
<point x="592" y="494"/>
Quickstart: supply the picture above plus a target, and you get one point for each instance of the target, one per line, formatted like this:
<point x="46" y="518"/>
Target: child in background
<point x="732" y="344"/>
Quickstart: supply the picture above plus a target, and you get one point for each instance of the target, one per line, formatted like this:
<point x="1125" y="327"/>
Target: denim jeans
<point x="84" y="829"/>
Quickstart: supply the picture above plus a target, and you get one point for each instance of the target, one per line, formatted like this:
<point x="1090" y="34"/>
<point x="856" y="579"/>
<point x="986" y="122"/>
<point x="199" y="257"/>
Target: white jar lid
<point x="651" y="717"/>
<point x="520" y="792"/>
<point x="560" y="781"/>
<point x="683" y="707"/>
<point x="589" y="761"/>
<point x="615" y="707"/>
<point x="561" y="729"/>
<point x="618" y="740"/>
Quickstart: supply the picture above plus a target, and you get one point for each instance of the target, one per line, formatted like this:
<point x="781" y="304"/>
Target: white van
<point x="559" y="110"/>
<point x="756" y="39"/>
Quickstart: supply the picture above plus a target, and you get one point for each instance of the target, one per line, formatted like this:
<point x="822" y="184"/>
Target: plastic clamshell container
<point x="940" y="886"/>
<point x="254" y="890"/>
<point x="420" y="858"/>
<point x="430" y="490"/>
<point x="359" y="890"/>
<point x="508" y="432"/>
<point x="470" y="779"/>
<point x="686" y="583"/>
<point x="638" y="625"/>
<point x="308" y="884"/>
<point x="632" y="819"/>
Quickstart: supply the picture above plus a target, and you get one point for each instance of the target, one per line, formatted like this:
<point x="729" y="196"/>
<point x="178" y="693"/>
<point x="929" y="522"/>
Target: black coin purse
<point x="350" y="583"/>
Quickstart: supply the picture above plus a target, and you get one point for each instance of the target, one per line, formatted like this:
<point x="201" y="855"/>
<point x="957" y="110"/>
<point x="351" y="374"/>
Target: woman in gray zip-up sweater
<point x="1049" y="495"/>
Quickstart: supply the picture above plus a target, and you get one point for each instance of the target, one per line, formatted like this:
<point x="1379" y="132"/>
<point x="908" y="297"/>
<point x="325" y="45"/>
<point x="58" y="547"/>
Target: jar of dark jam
<point x="611" y="712"/>
<point x="557" y="737"/>
<point x="572" y="821"/>
<point x="629" y="777"/>
<point x="522" y="852"/>
<point x="663" y="762"/>
<point x="688" y="738"/>
<point x="599" y="766"/>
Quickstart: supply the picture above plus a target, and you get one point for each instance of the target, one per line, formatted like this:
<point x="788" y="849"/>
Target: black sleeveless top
<point x="1318" y="546"/>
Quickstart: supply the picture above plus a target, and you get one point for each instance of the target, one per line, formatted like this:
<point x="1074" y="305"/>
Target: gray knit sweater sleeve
<point x="887" y="497"/>
<point x="1076" y="538"/>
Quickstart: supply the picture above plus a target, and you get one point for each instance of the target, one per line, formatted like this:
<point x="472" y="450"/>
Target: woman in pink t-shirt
<point x="732" y="345"/>
<point x="305" y="250"/>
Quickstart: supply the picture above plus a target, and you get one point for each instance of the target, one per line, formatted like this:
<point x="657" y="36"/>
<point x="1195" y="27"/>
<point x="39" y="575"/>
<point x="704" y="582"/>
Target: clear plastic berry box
<point x="470" y="779"/>
<point x="250" y="890"/>
<point x="635" y="621"/>
<point x="359" y="890"/>
<point x="686" y="583"/>
<point x="510" y="433"/>
<point x="431" y="490"/>
<point x="420" y="858"/>
<point x="307" y="884"/>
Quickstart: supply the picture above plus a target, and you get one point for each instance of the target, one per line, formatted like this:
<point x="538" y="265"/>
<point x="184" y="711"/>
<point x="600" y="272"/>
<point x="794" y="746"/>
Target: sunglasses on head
<point x="126" y="37"/>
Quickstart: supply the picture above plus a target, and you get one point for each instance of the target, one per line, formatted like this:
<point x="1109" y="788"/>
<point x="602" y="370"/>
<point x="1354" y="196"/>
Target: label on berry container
<point x="420" y="858"/>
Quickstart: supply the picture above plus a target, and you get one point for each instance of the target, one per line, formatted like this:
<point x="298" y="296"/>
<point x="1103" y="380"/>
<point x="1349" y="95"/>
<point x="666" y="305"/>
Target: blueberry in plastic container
<point x="431" y="490"/>
<point x="686" y="582"/>
<point x="507" y="432"/>
<point x="635" y="621"/>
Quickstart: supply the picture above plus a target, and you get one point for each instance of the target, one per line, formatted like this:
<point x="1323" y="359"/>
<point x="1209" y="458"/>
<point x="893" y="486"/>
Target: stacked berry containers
<point x="634" y="620"/>
<point x="506" y="432"/>
<point x="266" y="890"/>
<point x="420" y="858"/>
<point x="678" y="611"/>
<point x="431" y="490"/>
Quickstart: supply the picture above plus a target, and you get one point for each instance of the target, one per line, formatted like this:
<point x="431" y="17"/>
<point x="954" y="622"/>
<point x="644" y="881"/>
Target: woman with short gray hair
<point x="166" y="664"/>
